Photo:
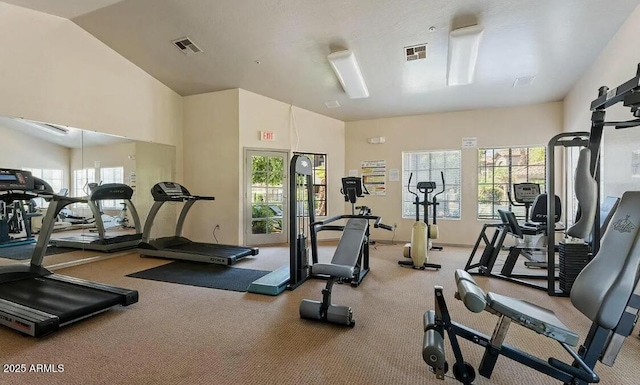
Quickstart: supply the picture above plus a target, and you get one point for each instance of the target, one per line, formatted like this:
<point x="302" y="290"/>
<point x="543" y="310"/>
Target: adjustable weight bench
<point x="603" y="292"/>
<point x="342" y="267"/>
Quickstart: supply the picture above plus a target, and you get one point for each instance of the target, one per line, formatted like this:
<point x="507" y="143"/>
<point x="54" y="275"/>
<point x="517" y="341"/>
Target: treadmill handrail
<point x="182" y="198"/>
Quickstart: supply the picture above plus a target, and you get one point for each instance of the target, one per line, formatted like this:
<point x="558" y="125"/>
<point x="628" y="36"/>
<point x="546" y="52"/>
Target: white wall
<point x="218" y="126"/>
<point x="96" y="157"/>
<point x="54" y="71"/>
<point x="19" y="150"/>
<point x="616" y="64"/>
<point x="296" y="130"/>
<point x="211" y="164"/>
<point x="517" y="126"/>
<point x="154" y="163"/>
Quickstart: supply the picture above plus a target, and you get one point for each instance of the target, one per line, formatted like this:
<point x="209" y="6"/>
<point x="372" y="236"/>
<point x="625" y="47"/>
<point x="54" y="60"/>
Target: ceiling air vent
<point x="524" y="81"/>
<point x="186" y="46"/>
<point x="416" y="52"/>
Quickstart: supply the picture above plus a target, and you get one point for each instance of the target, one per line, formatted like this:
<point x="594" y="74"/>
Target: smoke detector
<point x="416" y="52"/>
<point x="186" y="46"/>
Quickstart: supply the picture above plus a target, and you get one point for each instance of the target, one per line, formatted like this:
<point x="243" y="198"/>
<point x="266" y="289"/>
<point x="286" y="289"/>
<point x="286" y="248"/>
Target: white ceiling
<point x="75" y="138"/>
<point x="554" y="40"/>
<point x="66" y="8"/>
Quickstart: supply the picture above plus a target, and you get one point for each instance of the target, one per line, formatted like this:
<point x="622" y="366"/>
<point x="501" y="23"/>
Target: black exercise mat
<point x="22" y="252"/>
<point x="202" y="275"/>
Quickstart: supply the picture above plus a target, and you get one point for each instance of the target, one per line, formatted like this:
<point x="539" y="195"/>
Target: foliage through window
<point x="319" y="162"/>
<point x="499" y="169"/>
<point x="427" y="166"/>
<point x="267" y="191"/>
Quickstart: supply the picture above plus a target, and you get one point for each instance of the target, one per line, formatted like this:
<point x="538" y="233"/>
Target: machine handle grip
<point x="203" y="198"/>
<point x="383" y="226"/>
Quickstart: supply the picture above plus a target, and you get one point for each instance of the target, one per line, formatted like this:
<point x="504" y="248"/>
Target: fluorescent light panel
<point x="463" y="54"/>
<point x="345" y="66"/>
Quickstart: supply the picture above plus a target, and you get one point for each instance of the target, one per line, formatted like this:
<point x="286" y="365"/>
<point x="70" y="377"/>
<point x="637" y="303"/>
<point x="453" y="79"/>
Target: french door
<point x="265" y="214"/>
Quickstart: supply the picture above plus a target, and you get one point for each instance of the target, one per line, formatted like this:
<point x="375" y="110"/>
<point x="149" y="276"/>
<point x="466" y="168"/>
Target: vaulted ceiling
<point x="278" y="48"/>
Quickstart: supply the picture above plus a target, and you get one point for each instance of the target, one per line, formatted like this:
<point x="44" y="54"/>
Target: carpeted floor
<point x="24" y="252"/>
<point x="181" y="334"/>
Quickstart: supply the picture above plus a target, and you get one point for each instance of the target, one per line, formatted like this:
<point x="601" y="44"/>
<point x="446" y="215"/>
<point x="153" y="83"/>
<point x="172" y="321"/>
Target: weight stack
<point x="573" y="257"/>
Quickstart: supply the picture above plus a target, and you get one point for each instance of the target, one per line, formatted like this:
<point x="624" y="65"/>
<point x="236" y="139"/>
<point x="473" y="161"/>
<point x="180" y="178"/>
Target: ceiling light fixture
<point x="345" y="66"/>
<point x="46" y="127"/>
<point x="464" y="44"/>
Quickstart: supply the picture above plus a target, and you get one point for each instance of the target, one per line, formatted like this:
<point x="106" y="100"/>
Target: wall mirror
<point x="74" y="161"/>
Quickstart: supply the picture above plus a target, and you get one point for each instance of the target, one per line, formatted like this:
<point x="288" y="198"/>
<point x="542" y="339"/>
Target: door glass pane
<point x="267" y="194"/>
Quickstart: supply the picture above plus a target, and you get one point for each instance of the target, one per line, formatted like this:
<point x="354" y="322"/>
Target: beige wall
<point x="296" y="130"/>
<point x="154" y="163"/>
<point x="219" y="126"/>
<point x="517" y="126"/>
<point x="54" y="71"/>
<point x="20" y="151"/>
<point x="211" y="164"/>
<point x="96" y="157"/>
<point x="616" y="64"/>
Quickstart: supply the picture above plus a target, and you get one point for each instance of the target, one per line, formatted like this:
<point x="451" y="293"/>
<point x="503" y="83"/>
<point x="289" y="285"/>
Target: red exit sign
<point x="268" y="136"/>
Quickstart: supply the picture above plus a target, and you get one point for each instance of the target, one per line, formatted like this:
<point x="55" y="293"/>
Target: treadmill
<point x="103" y="242"/>
<point x="33" y="300"/>
<point x="177" y="246"/>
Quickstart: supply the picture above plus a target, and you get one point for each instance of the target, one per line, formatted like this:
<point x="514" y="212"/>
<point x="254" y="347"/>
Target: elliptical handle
<point x="441" y="191"/>
<point x="409" y="185"/>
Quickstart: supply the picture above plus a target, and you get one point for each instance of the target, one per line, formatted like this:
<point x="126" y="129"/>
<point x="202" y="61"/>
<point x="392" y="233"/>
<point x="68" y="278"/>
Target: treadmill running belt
<point x="212" y="249"/>
<point x="68" y="302"/>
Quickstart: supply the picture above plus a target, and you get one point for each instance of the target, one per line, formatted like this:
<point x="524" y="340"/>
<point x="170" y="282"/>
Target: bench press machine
<point x="350" y="262"/>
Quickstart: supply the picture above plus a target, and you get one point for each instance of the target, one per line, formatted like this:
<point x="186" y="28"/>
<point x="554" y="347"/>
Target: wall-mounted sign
<point x="268" y="136"/>
<point x="469" y="142"/>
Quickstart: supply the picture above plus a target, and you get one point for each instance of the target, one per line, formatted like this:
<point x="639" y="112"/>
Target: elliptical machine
<point x="422" y="232"/>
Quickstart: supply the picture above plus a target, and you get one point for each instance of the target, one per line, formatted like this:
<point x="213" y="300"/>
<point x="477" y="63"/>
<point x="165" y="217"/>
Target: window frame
<point x="511" y="179"/>
<point x="444" y="204"/>
<point x="55" y="183"/>
<point x="112" y="204"/>
<point x="319" y="196"/>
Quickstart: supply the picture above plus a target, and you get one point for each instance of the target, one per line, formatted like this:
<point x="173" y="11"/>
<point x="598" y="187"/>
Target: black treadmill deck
<point x="218" y="250"/>
<point x="66" y="301"/>
<point x="185" y="249"/>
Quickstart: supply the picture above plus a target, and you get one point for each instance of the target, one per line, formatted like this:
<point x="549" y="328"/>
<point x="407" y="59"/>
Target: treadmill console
<point x="169" y="191"/>
<point x="111" y="191"/>
<point x="15" y="180"/>
<point x="526" y="192"/>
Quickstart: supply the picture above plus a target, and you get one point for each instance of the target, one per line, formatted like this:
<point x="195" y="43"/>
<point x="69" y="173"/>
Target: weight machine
<point x="604" y="290"/>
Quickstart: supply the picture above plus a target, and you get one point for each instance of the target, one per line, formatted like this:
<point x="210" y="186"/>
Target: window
<point x="80" y="180"/>
<point x="51" y="176"/>
<point x="427" y="166"/>
<point x="319" y="162"/>
<point x="499" y="169"/>
<point x="112" y="175"/>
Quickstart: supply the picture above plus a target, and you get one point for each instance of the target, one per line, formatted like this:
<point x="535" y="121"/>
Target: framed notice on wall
<point x="374" y="176"/>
